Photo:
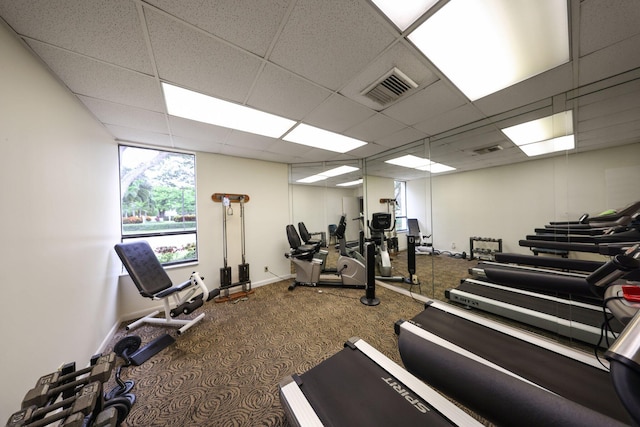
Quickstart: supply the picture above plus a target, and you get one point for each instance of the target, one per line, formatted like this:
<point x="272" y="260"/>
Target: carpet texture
<point x="225" y="370"/>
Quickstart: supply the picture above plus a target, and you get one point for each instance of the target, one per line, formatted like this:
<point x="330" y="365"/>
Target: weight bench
<point x="153" y="282"/>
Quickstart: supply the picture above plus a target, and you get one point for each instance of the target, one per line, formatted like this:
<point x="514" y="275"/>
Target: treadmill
<point x="609" y="249"/>
<point x="627" y="234"/>
<point x="566" y="317"/>
<point x="561" y="303"/>
<point x="603" y="220"/>
<point x="575" y="265"/>
<point x="359" y="386"/>
<point x="506" y="375"/>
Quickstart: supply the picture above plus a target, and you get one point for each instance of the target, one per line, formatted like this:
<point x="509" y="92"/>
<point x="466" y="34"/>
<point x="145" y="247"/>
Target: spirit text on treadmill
<point x="419" y="405"/>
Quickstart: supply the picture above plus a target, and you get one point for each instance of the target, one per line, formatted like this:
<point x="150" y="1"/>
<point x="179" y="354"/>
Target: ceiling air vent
<point x="389" y="87"/>
<point x="487" y="150"/>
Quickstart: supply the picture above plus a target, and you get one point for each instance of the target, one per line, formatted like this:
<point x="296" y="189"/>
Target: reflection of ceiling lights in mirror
<point x="415" y="162"/>
<point x="341" y="170"/>
<point x="542" y="136"/>
<point x="434" y="167"/>
<point x="409" y="161"/>
<point x="484" y="46"/>
<point x="350" y="183"/>
<point x="324" y="139"/>
<point x="203" y="108"/>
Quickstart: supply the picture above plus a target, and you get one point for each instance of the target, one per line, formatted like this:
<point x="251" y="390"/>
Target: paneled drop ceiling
<point x="310" y="61"/>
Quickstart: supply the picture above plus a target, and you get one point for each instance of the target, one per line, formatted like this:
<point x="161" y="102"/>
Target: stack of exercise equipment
<point x="73" y="398"/>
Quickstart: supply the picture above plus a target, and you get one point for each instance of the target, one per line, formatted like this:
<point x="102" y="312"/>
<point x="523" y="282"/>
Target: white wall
<point x="319" y="206"/>
<point x="508" y="202"/>
<point x="59" y="193"/>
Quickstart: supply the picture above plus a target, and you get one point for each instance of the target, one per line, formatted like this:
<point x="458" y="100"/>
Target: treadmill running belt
<point x="588" y="386"/>
<point x="348" y="389"/>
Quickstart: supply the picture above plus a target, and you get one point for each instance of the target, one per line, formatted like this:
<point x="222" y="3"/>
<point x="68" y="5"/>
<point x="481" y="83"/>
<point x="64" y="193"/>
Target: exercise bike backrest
<point x="298" y="250"/>
<point x="381" y="222"/>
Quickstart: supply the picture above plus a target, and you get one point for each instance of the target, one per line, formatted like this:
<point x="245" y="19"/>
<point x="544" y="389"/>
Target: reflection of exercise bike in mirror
<point x="350" y="272"/>
<point x="382" y="223"/>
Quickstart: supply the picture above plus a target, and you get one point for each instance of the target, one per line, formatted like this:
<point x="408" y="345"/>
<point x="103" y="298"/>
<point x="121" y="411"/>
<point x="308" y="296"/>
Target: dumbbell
<point x="108" y="417"/>
<point x="83" y="403"/>
<point x="51" y="385"/>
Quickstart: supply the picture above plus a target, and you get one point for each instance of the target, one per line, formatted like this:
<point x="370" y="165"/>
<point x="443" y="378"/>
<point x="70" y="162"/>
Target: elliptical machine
<point x="350" y="272"/>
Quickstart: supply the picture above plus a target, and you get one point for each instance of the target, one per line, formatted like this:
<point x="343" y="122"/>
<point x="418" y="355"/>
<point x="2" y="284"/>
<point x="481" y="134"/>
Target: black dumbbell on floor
<point x="82" y="404"/>
<point x="51" y="385"/>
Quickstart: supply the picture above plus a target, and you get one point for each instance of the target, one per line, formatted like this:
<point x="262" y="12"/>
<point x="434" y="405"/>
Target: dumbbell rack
<point x="73" y="398"/>
<point x="488" y="247"/>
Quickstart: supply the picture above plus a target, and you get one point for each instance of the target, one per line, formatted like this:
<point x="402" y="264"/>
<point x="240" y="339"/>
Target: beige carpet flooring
<point x="225" y="370"/>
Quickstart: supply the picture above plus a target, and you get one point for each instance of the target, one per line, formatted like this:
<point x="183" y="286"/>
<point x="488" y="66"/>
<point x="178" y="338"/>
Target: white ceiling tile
<point x="618" y="98"/>
<point x="615" y="59"/>
<point x="289" y="148"/>
<point x="231" y="150"/>
<point x="245" y="23"/>
<point x="607" y="131"/>
<point x="191" y="59"/>
<point x="330" y="41"/>
<point x="124" y="115"/>
<point x="279" y="157"/>
<point x="282" y="93"/>
<point x="249" y="140"/>
<point x="85" y="76"/>
<point x="105" y="30"/>
<point x="197" y="145"/>
<point x="191" y="129"/>
<point x="140" y="136"/>
<point x="338" y="114"/>
<point x="370" y="149"/>
<point x="449" y="120"/>
<point x="428" y="102"/>
<point x="604" y="23"/>
<point x="375" y="127"/>
<point x="608" y="116"/>
<point x="403" y="136"/>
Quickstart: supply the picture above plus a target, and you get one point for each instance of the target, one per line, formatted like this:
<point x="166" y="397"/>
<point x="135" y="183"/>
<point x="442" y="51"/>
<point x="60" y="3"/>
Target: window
<point x="400" y="194"/>
<point x="158" y="202"/>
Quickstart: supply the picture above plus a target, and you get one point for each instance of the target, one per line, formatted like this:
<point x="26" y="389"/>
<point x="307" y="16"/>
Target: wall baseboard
<point x="138" y="314"/>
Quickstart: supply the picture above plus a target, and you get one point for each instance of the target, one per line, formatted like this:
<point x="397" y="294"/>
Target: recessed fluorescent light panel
<point x="203" y="108"/>
<point x="409" y="161"/>
<point x="484" y="46"/>
<point x="545" y="135"/>
<point x="328" y="174"/>
<point x="311" y="179"/>
<point x="415" y="162"/>
<point x="404" y="13"/>
<point x="320" y="138"/>
<point x="434" y="167"/>
<point x="350" y="183"/>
